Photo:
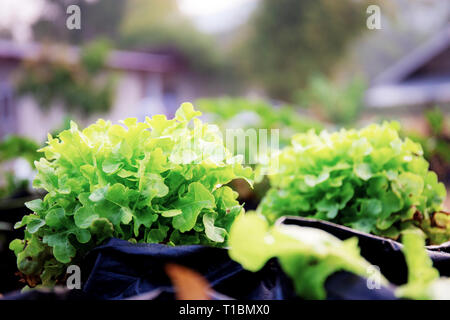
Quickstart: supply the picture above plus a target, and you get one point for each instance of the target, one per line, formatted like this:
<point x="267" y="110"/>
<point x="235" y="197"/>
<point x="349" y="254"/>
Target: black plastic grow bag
<point x="121" y="270"/>
<point x="11" y="211"/>
<point x="379" y="251"/>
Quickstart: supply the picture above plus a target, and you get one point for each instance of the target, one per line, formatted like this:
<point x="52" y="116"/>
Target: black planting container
<point x="382" y="252"/>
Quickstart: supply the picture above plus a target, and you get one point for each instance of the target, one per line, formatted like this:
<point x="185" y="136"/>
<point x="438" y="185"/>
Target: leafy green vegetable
<point x="307" y="255"/>
<point x="257" y="114"/>
<point x="155" y="181"/>
<point x="233" y="113"/>
<point x="436" y="142"/>
<point x="13" y="146"/>
<point x="423" y="279"/>
<point x="339" y="104"/>
<point x="368" y="179"/>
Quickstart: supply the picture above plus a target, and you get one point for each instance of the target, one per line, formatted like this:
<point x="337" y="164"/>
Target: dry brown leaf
<point x="188" y="284"/>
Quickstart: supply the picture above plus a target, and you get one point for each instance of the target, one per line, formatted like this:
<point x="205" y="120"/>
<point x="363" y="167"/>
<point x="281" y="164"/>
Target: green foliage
<point x="435" y="119"/>
<point x="436" y="143"/>
<point x="64" y="125"/>
<point x="157" y="181"/>
<point x="257" y="114"/>
<point x="14" y="146"/>
<point x="147" y="25"/>
<point x="291" y="40"/>
<point x="11" y="185"/>
<point x="307" y="255"/>
<point x="49" y="79"/>
<point x="244" y="114"/>
<point x="159" y="26"/>
<point x="336" y="104"/>
<point x="420" y="267"/>
<point x="423" y="279"/>
<point x="94" y="55"/>
<point x="368" y="179"/>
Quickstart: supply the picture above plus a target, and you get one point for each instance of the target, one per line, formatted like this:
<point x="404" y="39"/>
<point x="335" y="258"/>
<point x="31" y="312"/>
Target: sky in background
<point x="18" y="16"/>
<point x="213" y="16"/>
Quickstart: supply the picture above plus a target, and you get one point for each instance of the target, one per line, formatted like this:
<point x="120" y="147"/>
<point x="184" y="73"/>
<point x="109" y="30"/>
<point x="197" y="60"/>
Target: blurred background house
<point x="148" y="84"/>
<point x="418" y="81"/>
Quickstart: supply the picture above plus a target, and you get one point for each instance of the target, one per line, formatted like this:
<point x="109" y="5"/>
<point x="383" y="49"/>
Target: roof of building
<point x="420" y="78"/>
<point x="117" y="59"/>
<point x="416" y="59"/>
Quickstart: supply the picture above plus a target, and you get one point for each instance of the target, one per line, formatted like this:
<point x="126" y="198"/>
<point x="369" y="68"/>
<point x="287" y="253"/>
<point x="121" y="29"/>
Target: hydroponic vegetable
<point x="423" y="280"/>
<point x="436" y="142"/>
<point x="257" y="114"/>
<point x="14" y="146"/>
<point x="307" y="255"/>
<point x="281" y="122"/>
<point x="368" y="179"/>
<point x="158" y="181"/>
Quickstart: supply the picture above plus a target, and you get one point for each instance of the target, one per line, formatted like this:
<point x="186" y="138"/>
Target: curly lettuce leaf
<point x="158" y="181"/>
<point x="309" y="256"/>
<point x="368" y="179"/>
<point x="423" y="279"/>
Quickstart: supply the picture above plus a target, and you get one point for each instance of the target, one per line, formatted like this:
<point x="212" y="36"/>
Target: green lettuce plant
<point x="248" y="115"/>
<point x="257" y="114"/>
<point x="308" y="255"/>
<point x="423" y="279"/>
<point x="13" y="147"/>
<point x="158" y="181"/>
<point x="339" y="104"/>
<point x="436" y="142"/>
<point x="368" y="179"/>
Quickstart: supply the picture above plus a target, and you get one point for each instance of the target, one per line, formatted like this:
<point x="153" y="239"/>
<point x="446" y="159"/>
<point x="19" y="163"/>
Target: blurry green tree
<point x="144" y="25"/>
<point x="339" y="104"/>
<point x="159" y="25"/>
<point x="289" y="40"/>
